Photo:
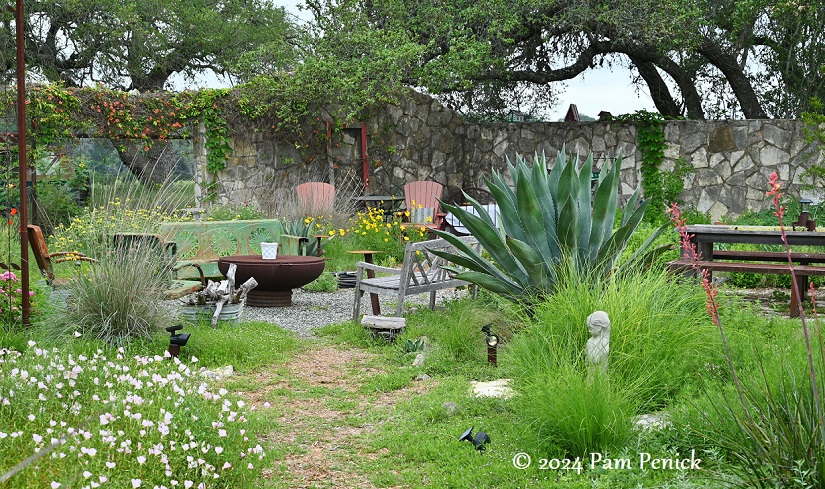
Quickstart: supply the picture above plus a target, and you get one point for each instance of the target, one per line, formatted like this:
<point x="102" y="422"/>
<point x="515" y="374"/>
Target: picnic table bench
<point x="420" y="272"/>
<point x="760" y="262"/>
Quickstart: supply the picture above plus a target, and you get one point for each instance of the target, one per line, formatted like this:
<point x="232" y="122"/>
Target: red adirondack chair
<point x="421" y="198"/>
<point x="316" y="198"/>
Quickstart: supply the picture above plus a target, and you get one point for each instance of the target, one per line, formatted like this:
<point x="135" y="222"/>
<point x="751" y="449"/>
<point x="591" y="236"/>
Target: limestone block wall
<point x="419" y="139"/>
<point x="732" y="161"/>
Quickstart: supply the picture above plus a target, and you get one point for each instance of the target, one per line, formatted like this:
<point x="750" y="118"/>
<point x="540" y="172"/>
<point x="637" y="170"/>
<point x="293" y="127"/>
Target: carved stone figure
<point x="598" y="346"/>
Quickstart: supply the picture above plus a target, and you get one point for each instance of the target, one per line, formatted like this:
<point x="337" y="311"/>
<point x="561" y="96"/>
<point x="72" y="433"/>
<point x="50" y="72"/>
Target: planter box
<point x="230" y="312"/>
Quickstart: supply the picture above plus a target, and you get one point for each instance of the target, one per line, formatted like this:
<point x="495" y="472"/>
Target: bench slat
<point x="421" y="272"/>
<point x="766" y="268"/>
<point x="780" y="256"/>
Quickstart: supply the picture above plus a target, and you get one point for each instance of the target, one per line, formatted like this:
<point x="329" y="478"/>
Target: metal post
<point x="22" y="165"/>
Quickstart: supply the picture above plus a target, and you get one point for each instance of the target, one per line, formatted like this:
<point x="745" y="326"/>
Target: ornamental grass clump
<point x="120" y="297"/>
<point x="548" y="220"/>
<point x="124" y="206"/>
<point x="658" y="341"/>
<point x="117" y="299"/>
<point x="100" y="418"/>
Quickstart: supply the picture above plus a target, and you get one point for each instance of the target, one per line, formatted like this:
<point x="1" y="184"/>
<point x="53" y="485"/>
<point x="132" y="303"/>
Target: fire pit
<point x="276" y="278"/>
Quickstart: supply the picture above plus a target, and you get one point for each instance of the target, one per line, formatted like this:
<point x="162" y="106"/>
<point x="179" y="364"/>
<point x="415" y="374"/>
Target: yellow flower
<point x="342" y="232"/>
<point x="332" y="232"/>
<point x="406" y="238"/>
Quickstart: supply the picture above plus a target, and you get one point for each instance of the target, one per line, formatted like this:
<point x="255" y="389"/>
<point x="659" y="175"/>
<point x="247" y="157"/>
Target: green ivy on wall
<point x="658" y="187"/>
<point x="216" y="136"/>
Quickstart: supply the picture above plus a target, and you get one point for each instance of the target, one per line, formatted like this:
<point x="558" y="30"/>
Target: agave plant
<point x="548" y="220"/>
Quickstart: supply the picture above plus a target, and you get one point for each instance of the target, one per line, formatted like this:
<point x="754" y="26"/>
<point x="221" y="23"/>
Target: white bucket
<point x="269" y="251"/>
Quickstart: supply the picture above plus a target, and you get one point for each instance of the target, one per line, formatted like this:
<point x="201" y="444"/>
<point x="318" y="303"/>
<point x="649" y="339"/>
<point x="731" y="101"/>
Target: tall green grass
<point x="660" y="338"/>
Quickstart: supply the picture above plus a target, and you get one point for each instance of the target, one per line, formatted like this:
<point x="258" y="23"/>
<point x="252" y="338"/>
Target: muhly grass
<point x="118" y="299"/>
<point x="146" y="421"/>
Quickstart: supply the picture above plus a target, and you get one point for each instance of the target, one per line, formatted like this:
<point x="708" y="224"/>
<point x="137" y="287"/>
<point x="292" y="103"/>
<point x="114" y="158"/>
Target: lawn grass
<point x="369" y="418"/>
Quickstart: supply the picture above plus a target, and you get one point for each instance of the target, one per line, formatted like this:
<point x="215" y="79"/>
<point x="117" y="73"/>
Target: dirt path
<point x="323" y="417"/>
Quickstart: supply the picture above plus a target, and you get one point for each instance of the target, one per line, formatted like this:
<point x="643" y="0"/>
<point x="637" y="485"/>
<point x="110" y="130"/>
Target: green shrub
<point x="745" y="280"/>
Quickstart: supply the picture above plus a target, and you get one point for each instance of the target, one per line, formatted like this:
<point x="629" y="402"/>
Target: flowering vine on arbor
<point x="57" y="112"/>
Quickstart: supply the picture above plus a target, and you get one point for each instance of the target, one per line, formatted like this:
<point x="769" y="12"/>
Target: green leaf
<point x="605" y="202"/>
<point x="569" y="226"/>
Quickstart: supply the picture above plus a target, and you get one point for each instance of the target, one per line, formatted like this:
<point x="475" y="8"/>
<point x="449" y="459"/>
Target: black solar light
<point x="467" y="435"/>
<point x="176" y="340"/>
<point x="478" y="441"/>
<point x="492" y="346"/>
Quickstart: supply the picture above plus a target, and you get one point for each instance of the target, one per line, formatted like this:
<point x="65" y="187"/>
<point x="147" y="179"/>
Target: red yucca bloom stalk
<point x="774" y="192"/>
<point x="689" y="251"/>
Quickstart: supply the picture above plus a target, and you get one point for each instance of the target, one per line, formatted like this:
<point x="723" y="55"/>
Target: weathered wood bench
<point x="420" y="272"/>
<point x="754" y="262"/>
<point x="203" y="242"/>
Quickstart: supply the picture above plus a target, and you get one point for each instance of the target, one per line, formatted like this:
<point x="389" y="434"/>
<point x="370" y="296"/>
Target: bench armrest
<point x="194" y="265"/>
<point x="362" y="265"/>
<point x="63" y="256"/>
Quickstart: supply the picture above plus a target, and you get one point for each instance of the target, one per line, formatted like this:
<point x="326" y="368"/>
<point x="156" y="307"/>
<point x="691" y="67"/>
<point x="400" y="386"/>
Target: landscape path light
<point x="804" y="220"/>
<point x="492" y="345"/>
<point x="176" y="340"/>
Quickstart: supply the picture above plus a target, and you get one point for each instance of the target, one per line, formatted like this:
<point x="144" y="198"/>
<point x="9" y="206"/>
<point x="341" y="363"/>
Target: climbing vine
<point x="658" y="187"/>
<point x="217" y="144"/>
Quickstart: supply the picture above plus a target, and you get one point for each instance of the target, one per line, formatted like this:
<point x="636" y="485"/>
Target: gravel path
<point x="314" y="309"/>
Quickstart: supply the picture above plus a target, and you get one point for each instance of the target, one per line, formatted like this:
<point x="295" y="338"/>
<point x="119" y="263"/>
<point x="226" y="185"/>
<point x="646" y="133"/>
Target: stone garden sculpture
<point x="598" y="346"/>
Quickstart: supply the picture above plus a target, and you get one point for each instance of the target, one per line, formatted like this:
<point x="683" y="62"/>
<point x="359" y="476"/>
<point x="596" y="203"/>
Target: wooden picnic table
<point x="704" y="237"/>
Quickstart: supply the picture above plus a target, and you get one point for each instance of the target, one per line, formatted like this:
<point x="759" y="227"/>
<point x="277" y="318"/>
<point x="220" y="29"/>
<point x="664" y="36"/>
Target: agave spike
<point x="546" y="219"/>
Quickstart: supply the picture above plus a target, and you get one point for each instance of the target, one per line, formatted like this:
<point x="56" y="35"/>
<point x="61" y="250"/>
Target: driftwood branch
<point x="222" y="293"/>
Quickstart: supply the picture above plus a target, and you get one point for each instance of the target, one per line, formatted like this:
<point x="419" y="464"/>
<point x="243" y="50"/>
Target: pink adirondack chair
<point x="316" y="198"/>
<point x="421" y="198"/>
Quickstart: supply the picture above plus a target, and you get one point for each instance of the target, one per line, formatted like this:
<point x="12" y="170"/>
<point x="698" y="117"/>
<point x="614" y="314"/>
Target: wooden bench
<point x="203" y="242"/>
<point x="420" y="272"/>
<point x="752" y="262"/>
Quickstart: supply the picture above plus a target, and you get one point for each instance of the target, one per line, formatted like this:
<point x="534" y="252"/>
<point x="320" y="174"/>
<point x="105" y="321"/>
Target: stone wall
<point x="419" y="139"/>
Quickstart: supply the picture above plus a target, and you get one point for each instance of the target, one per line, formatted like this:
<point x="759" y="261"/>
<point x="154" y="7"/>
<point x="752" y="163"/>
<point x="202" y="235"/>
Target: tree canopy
<point x="751" y="58"/>
<point x="134" y="44"/>
<point x="757" y="58"/>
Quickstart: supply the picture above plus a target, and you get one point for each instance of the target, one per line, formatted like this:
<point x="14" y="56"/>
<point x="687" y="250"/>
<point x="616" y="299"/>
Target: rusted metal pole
<point x="364" y="160"/>
<point x="22" y="164"/>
